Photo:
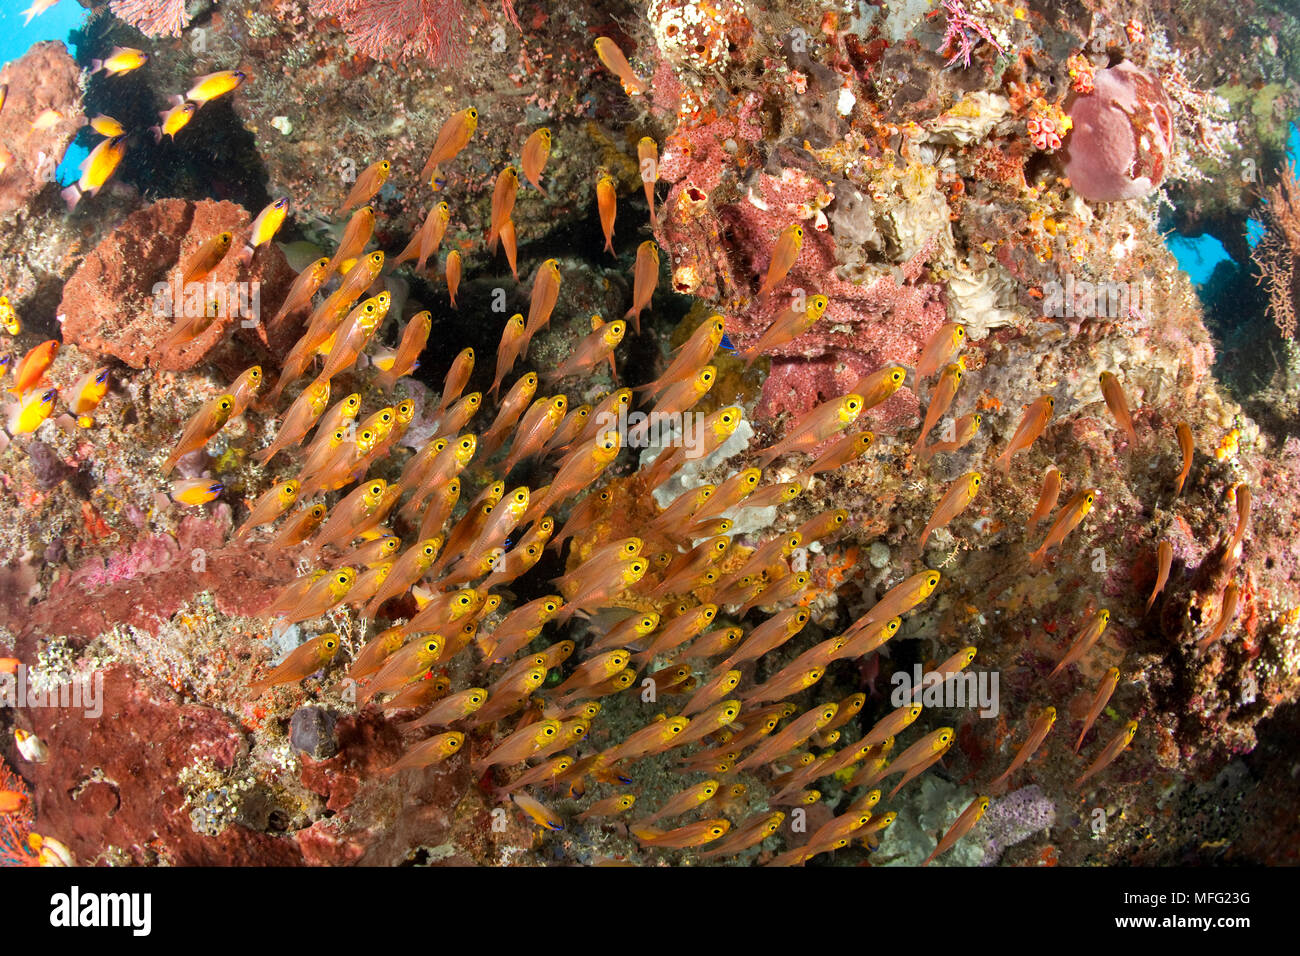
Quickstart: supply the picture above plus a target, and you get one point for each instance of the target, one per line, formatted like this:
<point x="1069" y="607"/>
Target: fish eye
<point x="343" y="578"/>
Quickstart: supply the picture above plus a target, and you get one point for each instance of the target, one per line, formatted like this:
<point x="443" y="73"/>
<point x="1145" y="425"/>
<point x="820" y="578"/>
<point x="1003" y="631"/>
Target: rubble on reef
<point x="1003" y="167"/>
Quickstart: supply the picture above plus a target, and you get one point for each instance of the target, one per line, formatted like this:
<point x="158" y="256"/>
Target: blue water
<point x="1198" y="255"/>
<point x="54" y="24"/>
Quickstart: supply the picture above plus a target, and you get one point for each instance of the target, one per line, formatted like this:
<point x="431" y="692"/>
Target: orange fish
<point x="1047" y="498"/>
<point x="207" y="257"/>
<point x="32" y="368"/>
<point x="593" y="349"/>
<point x="356" y="234"/>
<point x="879" y="385"/>
<point x="453" y="137"/>
<point x="845" y="449"/>
<point x="1067" y="519"/>
<point x="1038" y="731"/>
<point x="815" y="427"/>
<point x="273" y="503"/>
<point x="616" y="63"/>
<point x="428" y="752"/>
<point x="941" y="399"/>
<point x="303" y="661"/>
<point x="607" y="207"/>
<point x="1037" y="414"/>
<point x="898" y="600"/>
<point x="306" y="285"/>
<point x="647" y="157"/>
<point x="1104" y="691"/>
<point x="426" y="240"/>
<point x="1228" y="610"/>
<point x="609" y="807"/>
<point x="264" y="227"/>
<point x="1164" y="561"/>
<point x="785" y="328"/>
<point x="964" y="430"/>
<point x="1083" y="640"/>
<point x="541" y="302"/>
<point x="213" y="85"/>
<point x="206" y="422"/>
<point x="784" y="254"/>
<point x="1243" y="516"/>
<point x="299" y="528"/>
<point x="172" y="121"/>
<point x="1113" y="392"/>
<point x="414" y="338"/>
<point x="692" y="834"/>
<point x="1188" y="447"/>
<point x="503" y="203"/>
<point x="751" y="833"/>
<point x="1112" y="750"/>
<point x="369" y="183"/>
<point x="645" y="279"/>
<point x="955" y="500"/>
<point x="510" y="245"/>
<point x="964" y="823"/>
<point x="919" y="757"/>
<point x="453" y="271"/>
<point x="537" y="150"/>
<point x="514" y="342"/>
<point x="96" y="170"/>
<point x="940" y="349"/>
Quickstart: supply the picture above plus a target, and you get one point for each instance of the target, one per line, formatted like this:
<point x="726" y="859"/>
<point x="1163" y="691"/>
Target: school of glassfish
<point x="383" y="547"/>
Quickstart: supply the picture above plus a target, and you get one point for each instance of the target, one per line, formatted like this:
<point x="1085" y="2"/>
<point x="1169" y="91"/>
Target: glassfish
<point x="964" y="823"/>
<point x="429" y="752"/>
<point x="592" y="349"/>
<point x="1113" y="393"/>
<point x="278" y="499"/>
<point x="206" y="258"/>
<point x="785" y="328"/>
<point x="1087" y="635"/>
<point x="303" y="661"/>
<point x="298" y="420"/>
<point x="504" y="194"/>
<point x="614" y="60"/>
<point x="607" y="208"/>
<point x="645" y="279"/>
<point x="1227" y="611"/>
<point x="453" y="269"/>
<point x="1067" y="519"/>
<point x="1037" y="414"/>
<point x="784" y="254"/>
<point x="368" y="184"/>
<point x="813" y="428"/>
<point x="537" y="150"/>
<point x="955" y="500"/>
<point x="1105" y="688"/>
<point x="964" y="430"/>
<point x="206" y="422"/>
<point x="941" y="399"/>
<point x="453" y="136"/>
<point x="1187" y="446"/>
<point x="1164" y="561"/>
<point x="426" y="240"/>
<point x="940" y="349"/>
<point x="1047" y="498"/>
<point x="541" y="303"/>
<point x="1038" y="732"/>
<point x="1108" y="754"/>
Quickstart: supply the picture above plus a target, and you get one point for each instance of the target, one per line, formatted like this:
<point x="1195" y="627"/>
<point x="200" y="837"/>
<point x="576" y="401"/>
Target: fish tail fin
<point x="175" y="99"/>
<point x="71" y="196"/>
<point x="245" y="256"/>
<point x="96" y="66"/>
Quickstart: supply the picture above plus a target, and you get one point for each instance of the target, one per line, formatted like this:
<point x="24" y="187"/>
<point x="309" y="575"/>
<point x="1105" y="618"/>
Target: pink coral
<point x="1123" y="137"/>
<point x="398" y="29"/>
<point x="154" y="18"/>
<point x="955" y="37"/>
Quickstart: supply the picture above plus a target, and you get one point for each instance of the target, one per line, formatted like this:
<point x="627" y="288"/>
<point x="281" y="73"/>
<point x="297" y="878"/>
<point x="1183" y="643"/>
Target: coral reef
<point x="971" y="165"/>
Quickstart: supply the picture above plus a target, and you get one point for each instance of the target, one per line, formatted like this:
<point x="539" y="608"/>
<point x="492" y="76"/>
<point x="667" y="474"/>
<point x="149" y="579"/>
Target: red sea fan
<point x="154" y="18"/>
<point x="397" y="29"/>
